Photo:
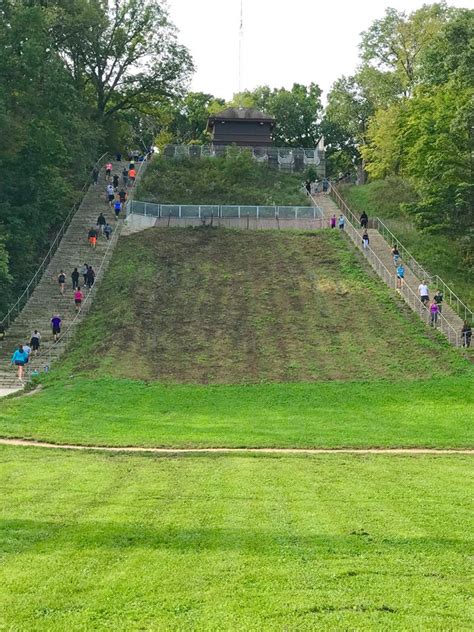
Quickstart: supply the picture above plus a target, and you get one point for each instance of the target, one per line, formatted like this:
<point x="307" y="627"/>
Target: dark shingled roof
<point x="242" y="114"/>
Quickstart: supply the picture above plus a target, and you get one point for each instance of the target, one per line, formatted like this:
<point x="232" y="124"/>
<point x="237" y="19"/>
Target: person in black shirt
<point x="75" y="278"/>
<point x="438" y="299"/>
<point x="61" y="281"/>
<point x="466" y="334"/>
<point x="90" y="277"/>
<point x="125" y="176"/>
<point x="101" y="222"/>
<point x="364" y="220"/>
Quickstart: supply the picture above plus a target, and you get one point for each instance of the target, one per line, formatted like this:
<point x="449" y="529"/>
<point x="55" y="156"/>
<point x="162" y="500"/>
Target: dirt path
<point x="138" y="449"/>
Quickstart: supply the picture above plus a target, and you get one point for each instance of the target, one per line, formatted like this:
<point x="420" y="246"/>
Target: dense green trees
<point x="75" y="76"/>
<point x="409" y="112"/>
<point x="298" y="113"/>
<point x="81" y="76"/>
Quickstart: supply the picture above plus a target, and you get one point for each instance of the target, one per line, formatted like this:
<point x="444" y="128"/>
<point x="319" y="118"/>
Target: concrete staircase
<point x="380" y="257"/>
<point x="73" y="251"/>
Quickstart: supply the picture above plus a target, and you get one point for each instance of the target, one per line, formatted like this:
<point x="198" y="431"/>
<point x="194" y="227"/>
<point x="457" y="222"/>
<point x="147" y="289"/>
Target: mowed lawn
<point x="94" y="542"/>
<point x="108" y="411"/>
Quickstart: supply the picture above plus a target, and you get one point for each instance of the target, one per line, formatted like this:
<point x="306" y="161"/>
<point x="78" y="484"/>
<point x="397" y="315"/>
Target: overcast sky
<point x="285" y="41"/>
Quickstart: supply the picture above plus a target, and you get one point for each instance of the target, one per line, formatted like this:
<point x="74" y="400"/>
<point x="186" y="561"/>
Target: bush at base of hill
<point x="236" y="179"/>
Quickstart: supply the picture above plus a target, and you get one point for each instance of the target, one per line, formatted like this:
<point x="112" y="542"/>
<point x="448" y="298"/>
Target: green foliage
<point x="185" y="119"/>
<point x="396" y="42"/>
<point x="72" y="78"/>
<point x="297" y="112"/>
<point x="48" y="141"/>
<point x="235" y="179"/>
<point x="409" y="112"/>
<point x="126" y="54"/>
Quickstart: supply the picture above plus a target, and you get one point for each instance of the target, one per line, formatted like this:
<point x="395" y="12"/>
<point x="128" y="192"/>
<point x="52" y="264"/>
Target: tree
<point x="124" y="55"/>
<point x="383" y="151"/>
<point x="47" y="140"/>
<point x="451" y="54"/>
<point x="346" y="121"/>
<point x="190" y="115"/>
<point x="298" y="112"/>
<point x="396" y="42"/>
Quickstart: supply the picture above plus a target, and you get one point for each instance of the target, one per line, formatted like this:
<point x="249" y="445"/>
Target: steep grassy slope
<point x="233" y="180"/>
<point x="222" y="306"/>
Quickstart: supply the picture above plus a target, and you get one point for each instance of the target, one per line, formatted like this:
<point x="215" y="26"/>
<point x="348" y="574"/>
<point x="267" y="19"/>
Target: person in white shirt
<point x="424" y="293"/>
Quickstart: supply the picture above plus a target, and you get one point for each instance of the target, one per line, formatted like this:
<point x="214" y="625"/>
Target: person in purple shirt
<point x="56" y="326"/>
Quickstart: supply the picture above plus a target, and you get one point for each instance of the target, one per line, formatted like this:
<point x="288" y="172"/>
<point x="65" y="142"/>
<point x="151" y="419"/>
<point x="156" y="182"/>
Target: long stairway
<point x="380" y="257"/>
<point x="73" y="251"/>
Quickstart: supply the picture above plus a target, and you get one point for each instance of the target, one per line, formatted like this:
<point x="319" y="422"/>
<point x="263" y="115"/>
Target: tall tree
<point x="47" y="141"/>
<point x="298" y="112"/>
<point x="125" y="54"/>
<point x="396" y="42"/>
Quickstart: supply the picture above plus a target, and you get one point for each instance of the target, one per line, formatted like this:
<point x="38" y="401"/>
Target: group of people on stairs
<point x="21" y="356"/>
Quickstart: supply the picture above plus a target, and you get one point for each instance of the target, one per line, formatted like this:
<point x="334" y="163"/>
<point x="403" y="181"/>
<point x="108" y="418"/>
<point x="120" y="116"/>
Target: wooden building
<point x="246" y="127"/>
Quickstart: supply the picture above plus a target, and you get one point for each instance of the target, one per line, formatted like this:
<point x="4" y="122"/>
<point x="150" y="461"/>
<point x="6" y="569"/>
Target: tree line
<point x="77" y="77"/>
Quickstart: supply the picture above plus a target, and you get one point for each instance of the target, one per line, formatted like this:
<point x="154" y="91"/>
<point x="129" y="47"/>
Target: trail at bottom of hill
<point x="217" y="450"/>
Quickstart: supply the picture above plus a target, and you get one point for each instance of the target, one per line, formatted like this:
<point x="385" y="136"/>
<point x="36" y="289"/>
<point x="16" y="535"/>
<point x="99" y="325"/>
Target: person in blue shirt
<point x="19" y="359"/>
<point x="117" y="208"/>
<point x="400" y="275"/>
<point x="341" y="222"/>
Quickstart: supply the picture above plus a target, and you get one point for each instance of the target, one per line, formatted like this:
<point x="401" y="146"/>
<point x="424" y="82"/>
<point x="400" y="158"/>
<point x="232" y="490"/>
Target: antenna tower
<point x="241" y="46"/>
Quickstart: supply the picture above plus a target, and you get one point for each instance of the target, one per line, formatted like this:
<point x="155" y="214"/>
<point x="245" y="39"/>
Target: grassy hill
<point x="212" y="337"/>
<point x="236" y="179"/>
<point x="209" y="305"/>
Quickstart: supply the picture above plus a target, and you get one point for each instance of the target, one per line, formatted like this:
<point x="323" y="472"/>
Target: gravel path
<point x="138" y="449"/>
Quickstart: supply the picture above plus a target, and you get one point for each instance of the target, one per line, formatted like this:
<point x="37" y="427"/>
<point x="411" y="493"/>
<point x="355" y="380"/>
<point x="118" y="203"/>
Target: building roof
<point x="241" y="114"/>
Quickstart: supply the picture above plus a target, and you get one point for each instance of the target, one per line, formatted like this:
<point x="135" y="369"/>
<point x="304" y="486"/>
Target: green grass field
<point x="211" y="305"/>
<point x="426" y="413"/>
<point x="93" y="542"/>
<point x="219" y="338"/>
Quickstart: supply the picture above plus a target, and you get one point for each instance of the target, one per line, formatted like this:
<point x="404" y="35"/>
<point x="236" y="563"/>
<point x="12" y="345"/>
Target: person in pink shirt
<point x="108" y="170"/>
<point x="78" y="296"/>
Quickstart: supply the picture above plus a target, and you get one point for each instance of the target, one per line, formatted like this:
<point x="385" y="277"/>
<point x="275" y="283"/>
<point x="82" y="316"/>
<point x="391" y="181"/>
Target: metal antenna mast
<point x="241" y="46"/>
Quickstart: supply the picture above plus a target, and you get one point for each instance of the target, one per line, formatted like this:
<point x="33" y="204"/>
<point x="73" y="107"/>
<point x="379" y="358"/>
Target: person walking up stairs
<point x="45" y="299"/>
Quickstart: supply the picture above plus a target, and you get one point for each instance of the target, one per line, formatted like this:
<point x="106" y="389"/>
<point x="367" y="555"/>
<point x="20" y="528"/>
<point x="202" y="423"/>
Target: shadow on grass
<point x="17" y="536"/>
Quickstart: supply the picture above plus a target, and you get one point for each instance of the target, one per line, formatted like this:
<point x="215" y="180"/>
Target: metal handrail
<point x="25" y="295"/>
<point x="454" y="301"/>
<point x="405" y="291"/>
<point x="138" y="177"/>
<point x="223" y="211"/>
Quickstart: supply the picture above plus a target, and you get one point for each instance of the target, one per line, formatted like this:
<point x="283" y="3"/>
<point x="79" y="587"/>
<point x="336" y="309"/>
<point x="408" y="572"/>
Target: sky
<point x="285" y="41"/>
